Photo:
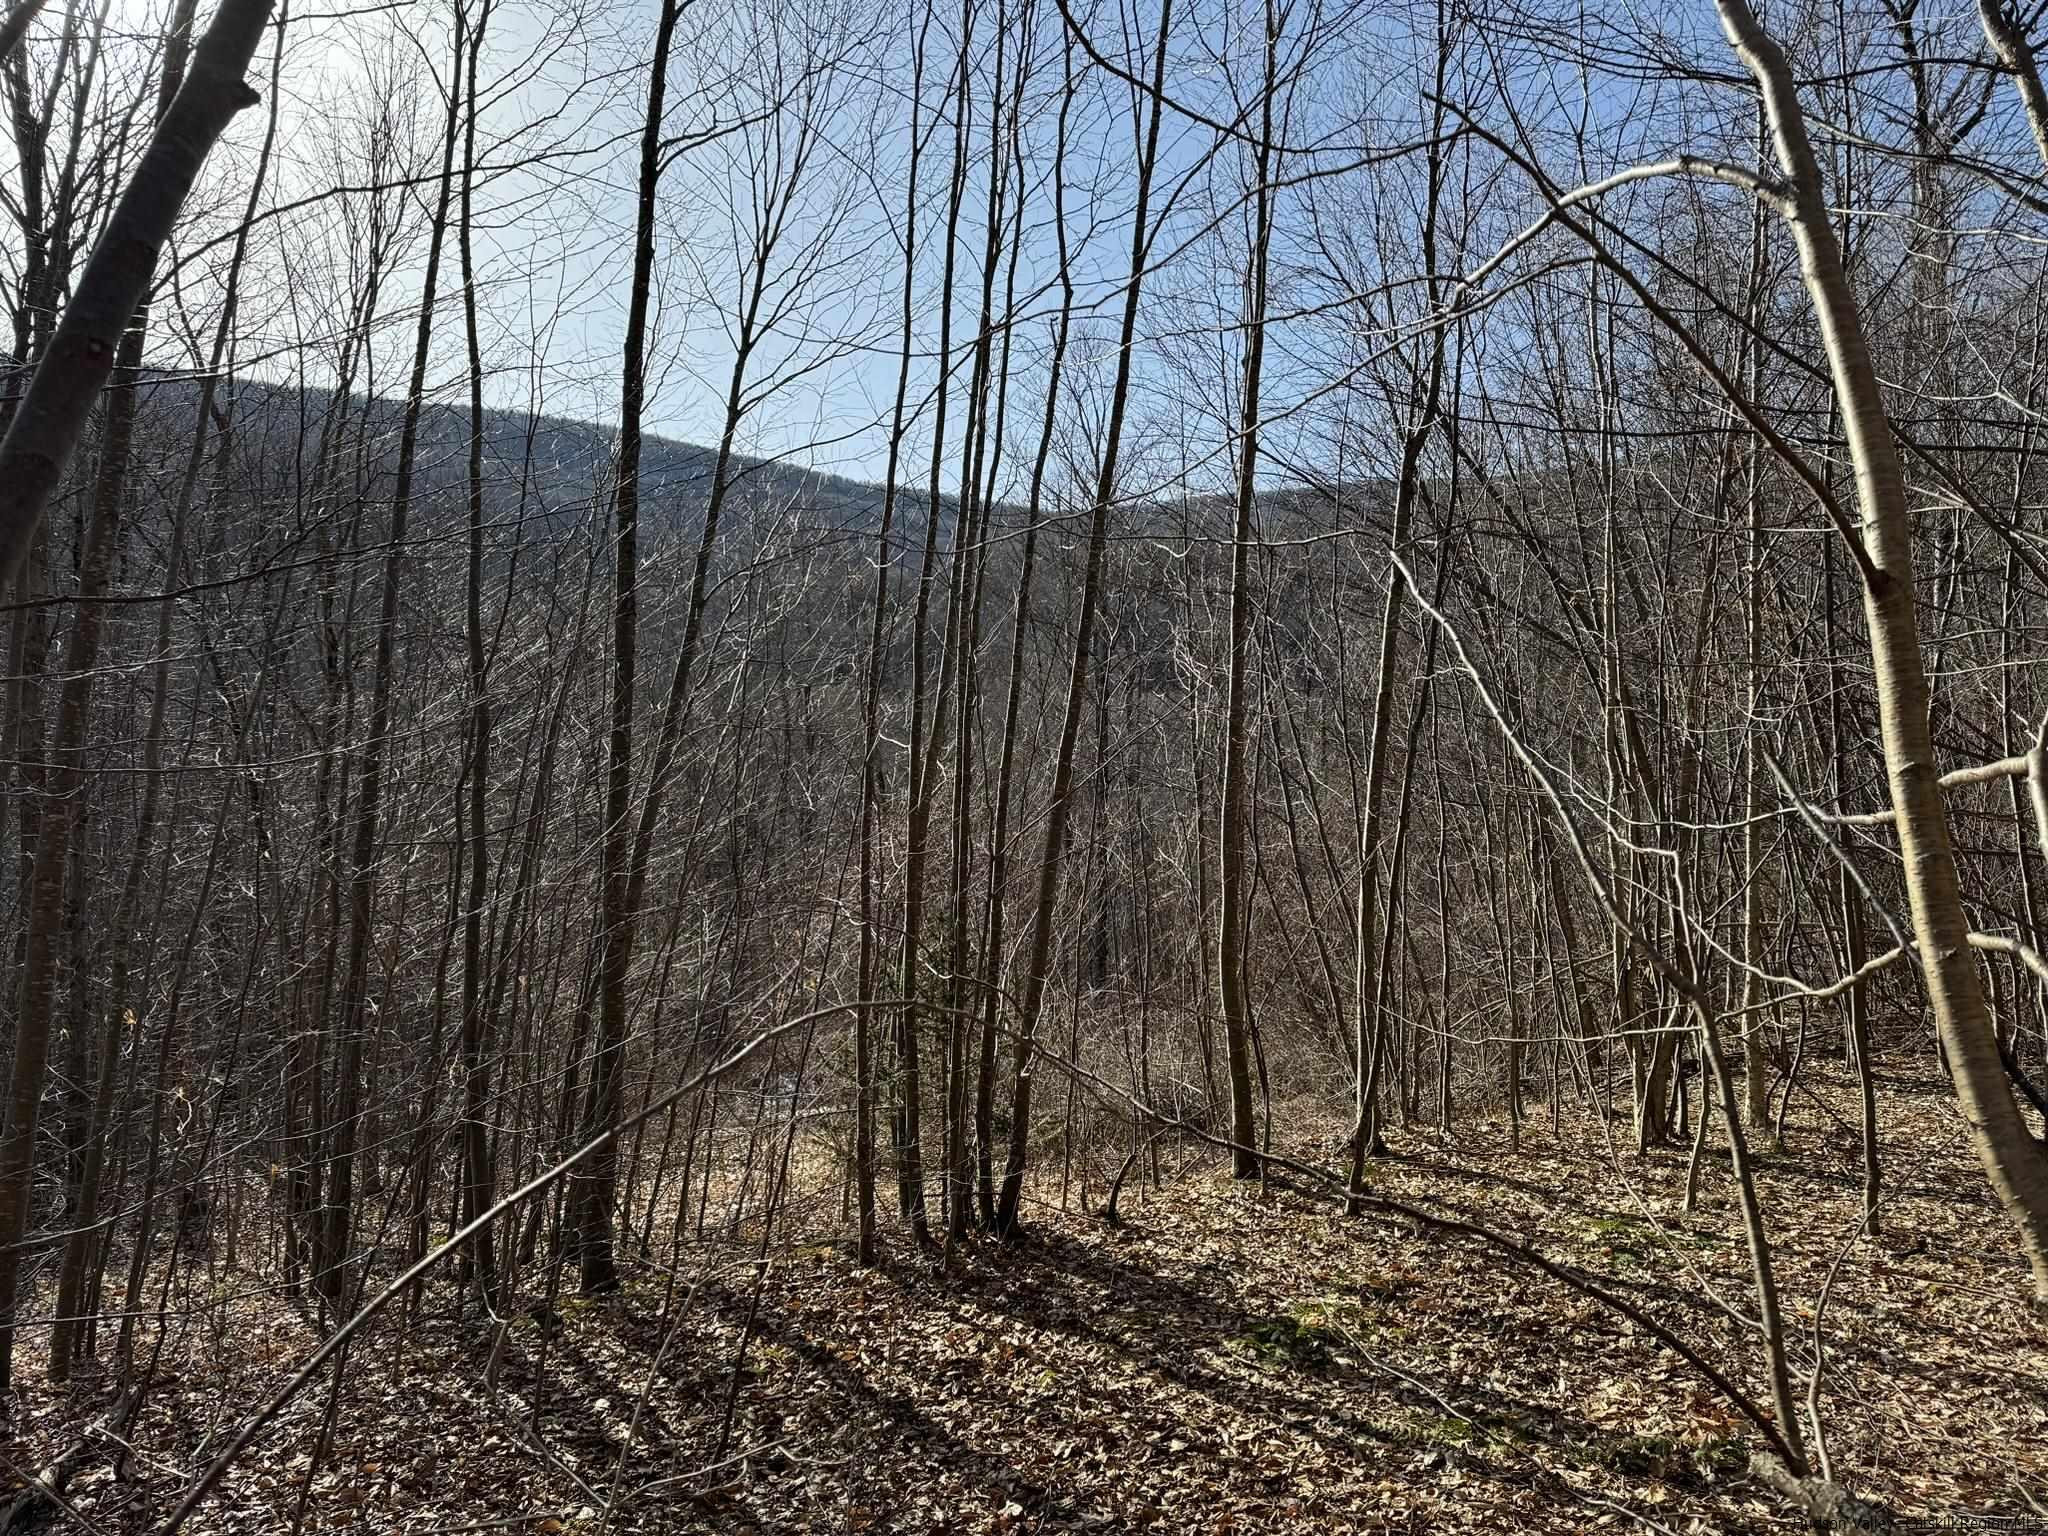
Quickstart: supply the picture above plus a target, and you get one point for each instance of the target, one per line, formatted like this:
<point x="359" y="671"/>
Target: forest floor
<point x="1232" y="1361"/>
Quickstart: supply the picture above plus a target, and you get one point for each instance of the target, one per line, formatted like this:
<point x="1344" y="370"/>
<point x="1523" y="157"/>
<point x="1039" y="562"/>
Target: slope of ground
<point x="1231" y="1361"/>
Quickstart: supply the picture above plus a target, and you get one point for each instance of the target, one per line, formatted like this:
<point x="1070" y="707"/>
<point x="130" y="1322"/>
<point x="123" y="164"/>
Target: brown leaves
<point x="1227" y="1364"/>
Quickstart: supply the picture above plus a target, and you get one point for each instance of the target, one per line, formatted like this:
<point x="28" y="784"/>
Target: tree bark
<point x="1232" y="907"/>
<point x="1039" y="957"/>
<point x="53" y="411"/>
<point x="2014" y="1164"/>
<point x="37" y="447"/>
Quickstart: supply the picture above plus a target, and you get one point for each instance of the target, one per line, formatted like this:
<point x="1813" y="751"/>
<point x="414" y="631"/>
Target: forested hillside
<point x="1001" y="765"/>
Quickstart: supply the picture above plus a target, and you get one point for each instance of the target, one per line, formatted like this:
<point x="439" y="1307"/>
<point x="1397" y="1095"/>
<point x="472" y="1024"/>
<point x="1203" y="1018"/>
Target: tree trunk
<point x="2014" y="1164"/>
<point x="1233" y="914"/>
<point x="91" y="338"/>
<point x="1038" y="964"/>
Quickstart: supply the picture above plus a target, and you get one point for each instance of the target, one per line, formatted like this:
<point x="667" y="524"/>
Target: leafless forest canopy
<point x="1012" y="765"/>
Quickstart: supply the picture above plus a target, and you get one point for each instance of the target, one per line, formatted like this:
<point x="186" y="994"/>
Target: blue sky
<point x="566" y="79"/>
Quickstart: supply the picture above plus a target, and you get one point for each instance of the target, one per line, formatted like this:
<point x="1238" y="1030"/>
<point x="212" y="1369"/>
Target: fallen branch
<point x="1826" y="1503"/>
<point x="539" y="1184"/>
<point x="1116" y="1188"/>
<point x="41" y="1500"/>
<point x="1516" y="1248"/>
